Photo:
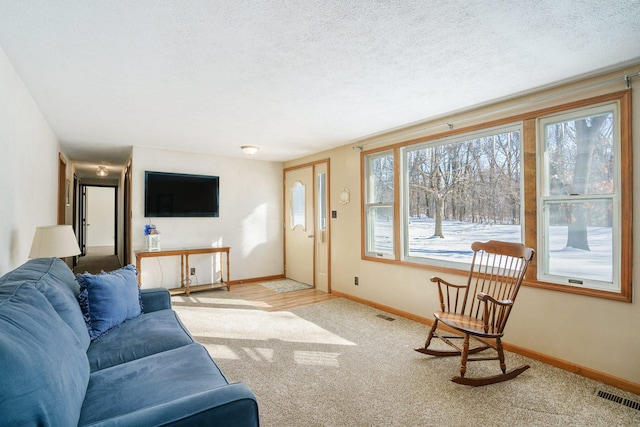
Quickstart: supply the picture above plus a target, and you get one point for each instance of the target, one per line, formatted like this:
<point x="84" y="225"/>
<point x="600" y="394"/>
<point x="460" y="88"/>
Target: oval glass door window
<point x="298" y="213"/>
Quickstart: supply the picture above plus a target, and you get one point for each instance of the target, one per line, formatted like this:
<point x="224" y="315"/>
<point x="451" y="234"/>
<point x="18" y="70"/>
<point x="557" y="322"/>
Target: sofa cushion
<point x="154" y="299"/>
<point x="56" y="281"/>
<point x="108" y="299"/>
<point x="44" y="370"/>
<point x="148" y="387"/>
<point x="36" y="268"/>
<point x="142" y="336"/>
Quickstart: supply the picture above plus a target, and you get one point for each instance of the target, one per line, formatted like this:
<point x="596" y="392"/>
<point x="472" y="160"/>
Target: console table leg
<point x="228" y="273"/>
<point x="185" y="270"/>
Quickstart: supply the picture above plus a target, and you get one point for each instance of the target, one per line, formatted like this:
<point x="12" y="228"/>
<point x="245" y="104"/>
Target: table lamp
<point x="54" y="241"/>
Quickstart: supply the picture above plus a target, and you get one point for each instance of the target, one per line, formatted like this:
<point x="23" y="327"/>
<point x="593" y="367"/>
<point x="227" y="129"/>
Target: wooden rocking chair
<point x="480" y="309"/>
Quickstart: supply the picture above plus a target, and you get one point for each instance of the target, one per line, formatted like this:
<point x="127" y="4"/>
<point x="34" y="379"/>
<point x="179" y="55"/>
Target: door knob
<point x="310" y="236"/>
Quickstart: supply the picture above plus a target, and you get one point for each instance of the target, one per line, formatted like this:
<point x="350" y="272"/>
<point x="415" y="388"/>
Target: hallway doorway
<point x="97" y="233"/>
<point x="100" y="220"/>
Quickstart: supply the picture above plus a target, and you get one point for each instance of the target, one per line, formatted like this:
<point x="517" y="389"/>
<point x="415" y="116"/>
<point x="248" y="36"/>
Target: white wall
<point x="250" y="220"/>
<point x="29" y="165"/>
<point x="591" y="332"/>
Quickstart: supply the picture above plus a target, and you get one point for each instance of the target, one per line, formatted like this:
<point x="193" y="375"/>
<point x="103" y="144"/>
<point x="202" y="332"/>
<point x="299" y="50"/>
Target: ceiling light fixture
<point x="102" y="171"/>
<point x="249" y="149"/>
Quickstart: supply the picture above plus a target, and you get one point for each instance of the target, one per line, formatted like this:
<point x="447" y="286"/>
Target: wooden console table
<point x="185" y="281"/>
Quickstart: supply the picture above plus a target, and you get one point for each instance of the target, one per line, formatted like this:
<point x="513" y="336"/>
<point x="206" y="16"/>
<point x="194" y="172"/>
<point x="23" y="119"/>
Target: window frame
<point x="547" y="199"/>
<point x="405" y="188"/>
<point x="368" y="206"/>
<point x="530" y="175"/>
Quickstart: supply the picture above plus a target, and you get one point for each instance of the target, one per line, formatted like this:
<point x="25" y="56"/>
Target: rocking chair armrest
<point x="489" y="314"/>
<point x="438" y="280"/>
<point x="486" y="297"/>
<point x="449" y="296"/>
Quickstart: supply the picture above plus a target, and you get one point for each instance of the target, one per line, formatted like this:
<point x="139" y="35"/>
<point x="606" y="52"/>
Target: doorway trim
<point x="126" y="232"/>
<point x="63" y="189"/>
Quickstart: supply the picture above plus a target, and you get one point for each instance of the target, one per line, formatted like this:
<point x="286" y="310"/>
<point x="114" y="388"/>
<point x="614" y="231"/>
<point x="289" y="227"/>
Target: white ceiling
<point x="293" y="77"/>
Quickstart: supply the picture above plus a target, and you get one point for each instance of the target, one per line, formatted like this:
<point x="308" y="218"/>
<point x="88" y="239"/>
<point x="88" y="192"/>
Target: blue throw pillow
<point x="108" y="299"/>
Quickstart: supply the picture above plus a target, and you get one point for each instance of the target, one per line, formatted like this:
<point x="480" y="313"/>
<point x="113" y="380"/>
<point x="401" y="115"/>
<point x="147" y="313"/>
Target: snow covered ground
<point x="595" y="264"/>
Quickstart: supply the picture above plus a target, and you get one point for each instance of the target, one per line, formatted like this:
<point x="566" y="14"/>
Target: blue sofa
<point x="146" y="372"/>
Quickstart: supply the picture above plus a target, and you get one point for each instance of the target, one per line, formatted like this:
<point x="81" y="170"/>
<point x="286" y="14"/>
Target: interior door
<point x="299" y="225"/>
<point x="101" y="207"/>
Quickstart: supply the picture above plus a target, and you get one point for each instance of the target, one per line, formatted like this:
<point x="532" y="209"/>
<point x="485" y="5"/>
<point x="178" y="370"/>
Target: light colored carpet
<point x="337" y="363"/>
<point x="285" y="285"/>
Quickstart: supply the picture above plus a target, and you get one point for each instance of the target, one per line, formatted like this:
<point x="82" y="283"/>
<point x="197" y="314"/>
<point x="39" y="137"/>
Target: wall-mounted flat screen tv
<point x="180" y="195"/>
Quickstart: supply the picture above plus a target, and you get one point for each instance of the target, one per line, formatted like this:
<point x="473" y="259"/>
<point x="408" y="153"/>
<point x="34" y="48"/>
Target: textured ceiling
<point x="292" y="77"/>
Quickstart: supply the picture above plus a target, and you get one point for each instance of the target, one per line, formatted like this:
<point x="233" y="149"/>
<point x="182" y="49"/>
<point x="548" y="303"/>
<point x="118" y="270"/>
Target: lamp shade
<point x="54" y="241"/>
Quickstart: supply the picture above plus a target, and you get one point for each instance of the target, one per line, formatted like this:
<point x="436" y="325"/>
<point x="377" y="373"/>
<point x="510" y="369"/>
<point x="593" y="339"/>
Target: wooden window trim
<point x="626" y="197"/>
<point x="364" y="208"/>
<point x="529" y="138"/>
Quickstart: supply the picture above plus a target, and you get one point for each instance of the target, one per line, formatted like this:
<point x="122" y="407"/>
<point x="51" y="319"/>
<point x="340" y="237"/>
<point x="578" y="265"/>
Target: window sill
<point x="596" y="293"/>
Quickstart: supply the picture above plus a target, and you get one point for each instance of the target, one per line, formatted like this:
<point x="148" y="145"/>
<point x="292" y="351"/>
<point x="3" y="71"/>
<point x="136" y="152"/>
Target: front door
<point x="299" y="226"/>
<point x="307" y="226"/>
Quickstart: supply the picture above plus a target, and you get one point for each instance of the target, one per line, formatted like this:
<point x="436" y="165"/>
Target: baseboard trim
<point x="383" y="307"/>
<point x="257" y="279"/>
<point x="583" y="371"/>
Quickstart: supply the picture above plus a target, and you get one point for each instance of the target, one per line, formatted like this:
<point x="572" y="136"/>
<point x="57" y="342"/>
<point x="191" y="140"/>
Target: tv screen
<point x="180" y="195"/>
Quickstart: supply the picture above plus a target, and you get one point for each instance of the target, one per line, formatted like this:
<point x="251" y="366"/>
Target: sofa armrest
<point x="154" y="299"/>
<point x="230" y="405"/>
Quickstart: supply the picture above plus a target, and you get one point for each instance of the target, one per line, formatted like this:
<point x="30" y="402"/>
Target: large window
<point x="558" y="180"/>
<point x="459" y="190"/>
<point x="580" y="198"/>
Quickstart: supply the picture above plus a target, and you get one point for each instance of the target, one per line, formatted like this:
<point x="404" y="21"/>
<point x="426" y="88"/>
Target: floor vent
<point x="621" y="400"/>
<point x="382" y="316"/>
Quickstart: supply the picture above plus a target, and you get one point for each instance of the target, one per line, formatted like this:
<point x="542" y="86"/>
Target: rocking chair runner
<point x="480" y="309"/>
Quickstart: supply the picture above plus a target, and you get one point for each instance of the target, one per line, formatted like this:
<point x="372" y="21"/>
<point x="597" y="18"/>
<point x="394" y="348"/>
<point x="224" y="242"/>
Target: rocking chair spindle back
<point x="480" y="308"/>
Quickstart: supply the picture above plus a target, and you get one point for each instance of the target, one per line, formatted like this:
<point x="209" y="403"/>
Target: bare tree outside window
<point x="558" y="179"/>
<point x="579" y="195"/>
<point x="581" y="161"/>
<point x="470" y="182"/>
